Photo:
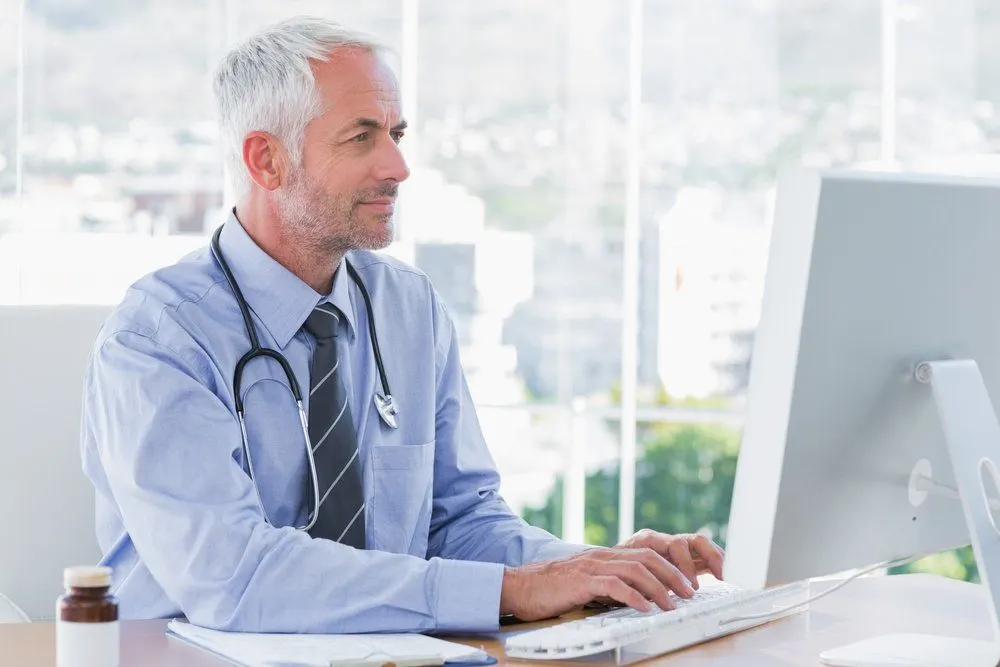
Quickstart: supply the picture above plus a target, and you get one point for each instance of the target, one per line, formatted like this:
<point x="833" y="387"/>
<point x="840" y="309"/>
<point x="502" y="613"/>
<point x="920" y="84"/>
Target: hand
<point x="625" y="575"/>
<point x="692" y="554"/>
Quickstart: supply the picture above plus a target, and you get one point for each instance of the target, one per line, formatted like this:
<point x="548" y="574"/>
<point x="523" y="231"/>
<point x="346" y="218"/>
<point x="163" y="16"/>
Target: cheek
<point x="328" y="168"/>
<point x="328" y="183"/>
<point x="326" y="173"/>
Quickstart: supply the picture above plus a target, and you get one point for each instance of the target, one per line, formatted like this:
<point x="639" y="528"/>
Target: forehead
<point x="355" y="82"/>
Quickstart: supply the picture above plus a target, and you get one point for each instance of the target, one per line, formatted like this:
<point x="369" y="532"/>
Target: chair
<point x="46" y="502"/>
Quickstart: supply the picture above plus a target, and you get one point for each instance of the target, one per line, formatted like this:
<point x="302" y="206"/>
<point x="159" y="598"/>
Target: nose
<point x="391" y="165"/>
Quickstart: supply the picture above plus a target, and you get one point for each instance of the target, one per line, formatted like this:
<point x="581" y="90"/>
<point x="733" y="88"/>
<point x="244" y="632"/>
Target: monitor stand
<point x="972" y="435"/>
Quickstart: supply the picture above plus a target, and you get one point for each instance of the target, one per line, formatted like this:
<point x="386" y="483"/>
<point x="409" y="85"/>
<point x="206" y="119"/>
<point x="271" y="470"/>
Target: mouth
<point x="380" y="204"/>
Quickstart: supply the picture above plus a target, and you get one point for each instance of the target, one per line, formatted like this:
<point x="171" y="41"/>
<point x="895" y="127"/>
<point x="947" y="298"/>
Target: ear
<point x="265" y="159"/>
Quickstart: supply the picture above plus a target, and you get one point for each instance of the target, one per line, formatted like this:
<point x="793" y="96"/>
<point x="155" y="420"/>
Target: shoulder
<point x="394" y="278"/>
<point x="388" y="269"/>
<point x="408" y="289"/>
<point x="161" y="305"/>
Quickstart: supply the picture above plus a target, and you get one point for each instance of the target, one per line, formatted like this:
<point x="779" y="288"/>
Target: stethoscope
<point x="384" y="404"/>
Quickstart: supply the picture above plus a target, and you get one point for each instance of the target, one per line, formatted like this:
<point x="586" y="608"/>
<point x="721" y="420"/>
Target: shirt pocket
<point x="402" y="495"/>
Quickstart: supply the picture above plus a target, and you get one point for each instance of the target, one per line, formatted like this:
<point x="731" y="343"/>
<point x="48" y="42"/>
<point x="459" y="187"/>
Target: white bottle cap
<point x="87" y="577"/>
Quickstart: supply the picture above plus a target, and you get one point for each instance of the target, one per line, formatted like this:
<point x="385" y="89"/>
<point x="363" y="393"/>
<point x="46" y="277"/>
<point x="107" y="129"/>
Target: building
<point x="184" y="203"/>
<point x="568" y="334"/>
<point x="714" y="257"/>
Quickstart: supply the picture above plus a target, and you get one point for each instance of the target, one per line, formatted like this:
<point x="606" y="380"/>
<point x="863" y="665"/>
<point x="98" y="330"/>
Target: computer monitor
<point x="845" y="461"/>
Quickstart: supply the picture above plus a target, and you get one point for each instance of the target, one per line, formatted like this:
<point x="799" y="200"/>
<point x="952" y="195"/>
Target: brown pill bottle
<point x="87" y="633"/>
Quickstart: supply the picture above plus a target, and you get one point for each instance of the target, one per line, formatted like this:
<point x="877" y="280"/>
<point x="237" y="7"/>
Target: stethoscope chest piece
<point x="386" y="410"/>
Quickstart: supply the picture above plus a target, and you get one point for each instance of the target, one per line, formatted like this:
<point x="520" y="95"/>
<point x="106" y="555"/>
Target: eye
<point x="397" y="135"/>
<point x="361" y="138"/>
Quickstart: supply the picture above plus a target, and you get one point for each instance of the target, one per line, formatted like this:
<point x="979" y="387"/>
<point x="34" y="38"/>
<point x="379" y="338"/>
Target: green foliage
<point x="684" y="484"/>
<point x="662" y="398"/>
<point x="957" y="564"/>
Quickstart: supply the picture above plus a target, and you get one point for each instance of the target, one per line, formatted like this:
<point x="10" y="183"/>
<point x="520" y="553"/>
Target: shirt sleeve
<point x="470" y="520"/>
<point x="169" y="448"/>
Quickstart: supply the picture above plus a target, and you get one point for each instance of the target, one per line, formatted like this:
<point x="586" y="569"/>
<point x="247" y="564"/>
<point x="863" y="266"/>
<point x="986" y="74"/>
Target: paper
<point x="256" y="650"/>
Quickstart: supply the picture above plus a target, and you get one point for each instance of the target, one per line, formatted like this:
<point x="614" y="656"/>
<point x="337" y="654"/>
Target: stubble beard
<point x="330" y="225"/>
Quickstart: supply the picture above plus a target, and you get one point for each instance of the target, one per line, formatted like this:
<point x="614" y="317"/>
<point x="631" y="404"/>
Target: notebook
<point x="374" y="650"/>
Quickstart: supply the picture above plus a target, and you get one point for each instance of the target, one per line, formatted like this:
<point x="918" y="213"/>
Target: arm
<point x="168" y="444"/>
<point x="470" y="521"/>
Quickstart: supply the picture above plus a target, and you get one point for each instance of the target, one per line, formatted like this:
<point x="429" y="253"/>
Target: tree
<point x="684" y="484"/>
<point x="956" y="564"/>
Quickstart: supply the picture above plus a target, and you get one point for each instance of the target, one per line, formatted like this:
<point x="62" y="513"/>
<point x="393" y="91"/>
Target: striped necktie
<point x="341" y="507"/>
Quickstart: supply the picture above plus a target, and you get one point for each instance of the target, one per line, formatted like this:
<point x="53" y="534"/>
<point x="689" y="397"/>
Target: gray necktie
<point x="335" y="447"/>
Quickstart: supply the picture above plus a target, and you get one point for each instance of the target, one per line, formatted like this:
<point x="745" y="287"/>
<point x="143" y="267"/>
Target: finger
<point x="650" y="539"/>
<point x="663" y="570"/>
<point x="636" y="575"/>
<point x="709" y="552"/>
<point x="679" y="553"/>
<point x="674" y="548"/>
<point x="599" y="553"/>
<point x="701" y="564"/>
<point x="616" y="589"/>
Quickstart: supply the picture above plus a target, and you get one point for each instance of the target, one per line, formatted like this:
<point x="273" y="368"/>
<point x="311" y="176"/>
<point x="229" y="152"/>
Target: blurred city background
<point x="518" y="207"/>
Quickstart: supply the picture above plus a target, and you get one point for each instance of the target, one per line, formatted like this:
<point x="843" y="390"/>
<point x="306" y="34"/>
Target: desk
<point x="906" y="603"/>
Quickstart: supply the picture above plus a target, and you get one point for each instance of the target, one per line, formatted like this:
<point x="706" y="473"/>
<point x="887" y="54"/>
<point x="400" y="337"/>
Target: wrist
<point x="509" y="591"/>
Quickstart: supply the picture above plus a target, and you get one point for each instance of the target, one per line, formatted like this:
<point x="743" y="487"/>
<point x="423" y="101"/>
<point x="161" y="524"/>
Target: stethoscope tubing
<point x="256" y="351"/>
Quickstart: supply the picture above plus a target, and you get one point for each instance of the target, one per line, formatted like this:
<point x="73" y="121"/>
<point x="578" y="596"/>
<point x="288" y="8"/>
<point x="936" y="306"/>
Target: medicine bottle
<point x="87" y="633"/>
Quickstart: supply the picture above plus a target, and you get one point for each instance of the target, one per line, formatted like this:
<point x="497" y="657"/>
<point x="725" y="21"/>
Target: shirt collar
<point x="279" y="298"/>
<point x="342" y="297"/>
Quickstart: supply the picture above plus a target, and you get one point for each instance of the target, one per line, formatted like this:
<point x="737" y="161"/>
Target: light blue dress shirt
<point x="177" y="516"/>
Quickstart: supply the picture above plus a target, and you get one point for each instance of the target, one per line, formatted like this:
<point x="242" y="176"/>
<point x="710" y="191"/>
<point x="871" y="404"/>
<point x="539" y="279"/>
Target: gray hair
<point x="265" y="84"/>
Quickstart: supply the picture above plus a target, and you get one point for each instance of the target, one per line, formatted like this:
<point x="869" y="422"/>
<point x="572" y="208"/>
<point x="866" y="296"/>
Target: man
<point x="361" y="526"/>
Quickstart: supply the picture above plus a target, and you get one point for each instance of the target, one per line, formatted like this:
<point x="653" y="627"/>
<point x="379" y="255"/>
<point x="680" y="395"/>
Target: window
<point x="10" y="78"/>
<point x="517" y="205"/>
<point x="527" y="121"/>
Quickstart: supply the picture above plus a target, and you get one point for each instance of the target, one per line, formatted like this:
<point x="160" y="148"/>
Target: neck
<point x="312" y="265"/>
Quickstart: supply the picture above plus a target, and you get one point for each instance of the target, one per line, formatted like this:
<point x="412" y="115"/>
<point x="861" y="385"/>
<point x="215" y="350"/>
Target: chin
<point x="372" y="231"/>
<point x="380" y="236"/>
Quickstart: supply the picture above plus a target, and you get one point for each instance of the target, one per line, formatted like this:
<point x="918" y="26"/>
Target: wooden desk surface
<point x="908" y="603"/>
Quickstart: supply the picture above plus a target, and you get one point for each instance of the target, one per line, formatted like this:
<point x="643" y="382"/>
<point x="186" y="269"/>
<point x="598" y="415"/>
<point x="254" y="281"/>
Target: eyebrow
<point x="373" y="124"/>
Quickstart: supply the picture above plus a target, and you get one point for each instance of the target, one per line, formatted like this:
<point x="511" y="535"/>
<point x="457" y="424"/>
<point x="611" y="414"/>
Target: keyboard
<point x="714" y="611"/>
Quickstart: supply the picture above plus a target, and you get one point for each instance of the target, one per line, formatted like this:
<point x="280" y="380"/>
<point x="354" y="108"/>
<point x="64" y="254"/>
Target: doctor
<point x="373" y="508"/>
